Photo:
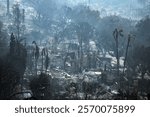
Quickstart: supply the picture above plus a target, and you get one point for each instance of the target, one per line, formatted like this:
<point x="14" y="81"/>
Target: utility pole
<point x="89" y="2"/>
<point x="8" y="7"/>
<point x="23" y="15"/>
<point x="18" y="21"/>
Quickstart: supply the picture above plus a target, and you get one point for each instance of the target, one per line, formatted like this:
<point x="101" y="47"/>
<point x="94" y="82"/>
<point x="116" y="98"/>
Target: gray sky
<point x="126" y="8"/>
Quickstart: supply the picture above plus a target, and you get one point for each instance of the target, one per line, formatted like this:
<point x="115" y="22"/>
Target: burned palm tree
<point x="116" y="34"/>
<point x="43" y="53"/>
<point x="84" y="32"/>
<point x="128" y="43"/>
<point x="36" y="55"/>
<point x="46" y="61"/>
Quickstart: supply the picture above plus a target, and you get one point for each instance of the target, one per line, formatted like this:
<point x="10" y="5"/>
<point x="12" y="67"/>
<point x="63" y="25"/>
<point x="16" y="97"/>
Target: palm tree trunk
<point x="126" y="55"/>
<point x="117" y="55"/>
<point x="42" y="63"/>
